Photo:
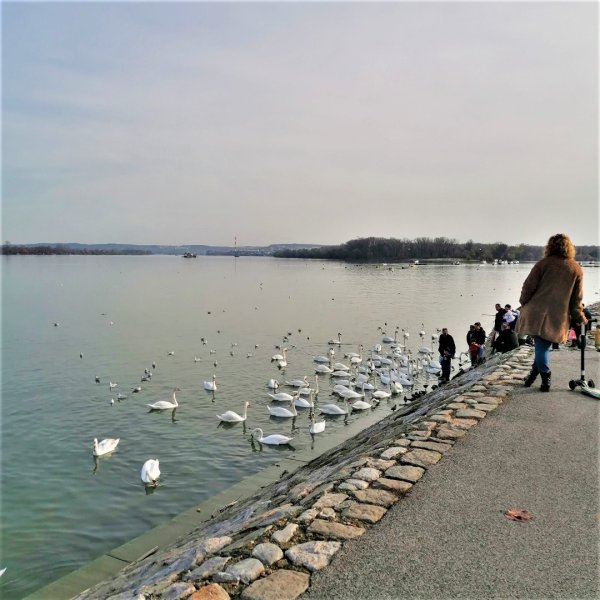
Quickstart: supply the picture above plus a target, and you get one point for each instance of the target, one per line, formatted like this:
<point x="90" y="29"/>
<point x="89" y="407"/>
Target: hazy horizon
<point x="316" y="123"/>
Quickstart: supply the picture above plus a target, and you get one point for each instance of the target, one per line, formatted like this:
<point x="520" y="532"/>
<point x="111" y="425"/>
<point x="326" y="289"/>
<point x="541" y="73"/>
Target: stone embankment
<point x="267" y="546"/>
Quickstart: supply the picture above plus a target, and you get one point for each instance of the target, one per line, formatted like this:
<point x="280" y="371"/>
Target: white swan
<point x="165" y="404"/>
<point x="337" y="342"/>
<point x="232" y="417"/>
<point x="150" y="472"/>
<point x="282" y="363"/>
<point x="281" y="397"/>
<point x="339" y="374"/>
<point x="298" y="383"/>
<point x="105" y="446"/>
<point x="305" y="391"/>
<point x="316" y="427"/>
<point x="272" y="384"/>
<point x="275" y="439"/>
<point x="320" y="359"/>
<point x="396" y="387"/>
<point x="386" y="339"/>
<point x="361" y="405"/>
<point x="280" y="411"/>
<point x="323" y="369"/>
<point x="349" y="394"/>
<point x="303" y="402"/>
<point x="381" y="394"/>
<point x="334" y="409"/>
<point x="211" y="386"/>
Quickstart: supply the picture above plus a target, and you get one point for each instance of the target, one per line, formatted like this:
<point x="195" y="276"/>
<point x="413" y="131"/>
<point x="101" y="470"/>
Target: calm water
<point x="59" y="508"/>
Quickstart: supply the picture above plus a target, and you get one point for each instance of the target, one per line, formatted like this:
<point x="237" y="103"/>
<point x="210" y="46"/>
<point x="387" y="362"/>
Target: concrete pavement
<point x="449" y="537"/>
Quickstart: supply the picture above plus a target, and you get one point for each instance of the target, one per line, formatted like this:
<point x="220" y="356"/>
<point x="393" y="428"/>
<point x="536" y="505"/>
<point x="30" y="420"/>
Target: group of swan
<point x="150" y="471"/>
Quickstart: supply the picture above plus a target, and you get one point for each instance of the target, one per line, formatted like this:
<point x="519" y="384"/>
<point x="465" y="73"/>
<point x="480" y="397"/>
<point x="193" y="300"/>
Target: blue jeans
<point x="542" y="351"/>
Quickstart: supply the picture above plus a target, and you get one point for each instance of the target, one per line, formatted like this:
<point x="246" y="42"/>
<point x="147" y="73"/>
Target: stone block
<point x="405" y="472"/>
<point x="397" y="486"/>
<point x="379" y="497"/>
<point x="365" y="512"/>
<point x="282" y="584"/>
<point x="336" y="531"/>
<point x="312" y="555"/>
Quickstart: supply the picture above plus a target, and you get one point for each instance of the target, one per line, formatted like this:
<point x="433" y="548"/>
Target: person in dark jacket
<point x="499" y="319"/>
<point x="507" y="340"/>
<point x="479" y="339"/>
<point x="446" y="342"/>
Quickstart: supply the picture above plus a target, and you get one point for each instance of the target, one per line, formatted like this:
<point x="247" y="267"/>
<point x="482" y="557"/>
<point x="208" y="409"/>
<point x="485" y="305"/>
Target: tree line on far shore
<point x="373" y="249"/>
<point x="59" y="249"/>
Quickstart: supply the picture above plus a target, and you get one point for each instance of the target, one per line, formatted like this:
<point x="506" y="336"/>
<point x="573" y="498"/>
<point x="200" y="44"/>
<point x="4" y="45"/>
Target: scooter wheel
<point x="572" y="384"/>
<point x="591" y="383"/>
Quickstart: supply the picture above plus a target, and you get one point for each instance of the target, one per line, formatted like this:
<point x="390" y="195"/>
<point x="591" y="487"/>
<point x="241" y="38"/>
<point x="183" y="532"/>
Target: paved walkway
<point x="449" y="537"/>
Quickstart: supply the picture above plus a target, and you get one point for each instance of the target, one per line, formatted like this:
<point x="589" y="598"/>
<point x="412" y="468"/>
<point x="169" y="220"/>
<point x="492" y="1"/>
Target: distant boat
<point x="189" y="255"/>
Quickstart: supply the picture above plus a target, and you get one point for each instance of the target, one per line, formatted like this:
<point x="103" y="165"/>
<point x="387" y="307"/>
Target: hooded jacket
<point x="551" y="295"/>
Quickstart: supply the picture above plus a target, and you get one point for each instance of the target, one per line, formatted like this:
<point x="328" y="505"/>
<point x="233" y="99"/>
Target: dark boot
<point x="545" y="387"/>
<point x="531" y="377"/>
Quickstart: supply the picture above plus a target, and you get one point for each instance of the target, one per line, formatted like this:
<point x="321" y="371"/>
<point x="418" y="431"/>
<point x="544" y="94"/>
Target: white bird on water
<point x="298" y="383"/>
<point x="334" y="409"/>
<point x="105" y="446"/>
<point x="211" y="386"/>
<point x="112" y="385"/>
<point x="275" y="439"/>
<point x="273" y="384"/>
<point x="316" y="426"/>
<point x="165" y="404"/>
<point x="232" y="417"/>
<point x="280" y="411"/>
<point x="282" y="364"/>
<point x="281" y="397"/>
<point x="150" y="472"/>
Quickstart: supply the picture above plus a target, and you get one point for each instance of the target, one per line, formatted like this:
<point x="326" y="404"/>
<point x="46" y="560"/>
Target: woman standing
<point x="551" y="295"/>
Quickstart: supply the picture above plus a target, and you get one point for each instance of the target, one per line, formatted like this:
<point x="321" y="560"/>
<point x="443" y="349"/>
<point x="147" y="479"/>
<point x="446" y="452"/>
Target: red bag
<point x="572" y="335"/>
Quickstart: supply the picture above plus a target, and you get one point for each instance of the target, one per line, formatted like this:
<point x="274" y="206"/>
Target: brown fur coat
<point x="551" y="295"/>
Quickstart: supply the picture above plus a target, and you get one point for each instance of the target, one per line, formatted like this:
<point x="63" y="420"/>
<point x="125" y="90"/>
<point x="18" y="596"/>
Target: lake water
<point x="60" y="509"/>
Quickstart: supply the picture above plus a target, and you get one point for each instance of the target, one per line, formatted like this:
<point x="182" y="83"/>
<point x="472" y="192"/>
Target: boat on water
<point x="189" y="255"/>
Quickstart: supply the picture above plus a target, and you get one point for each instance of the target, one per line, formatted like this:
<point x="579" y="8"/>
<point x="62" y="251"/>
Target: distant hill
<point x="198" y="249"/>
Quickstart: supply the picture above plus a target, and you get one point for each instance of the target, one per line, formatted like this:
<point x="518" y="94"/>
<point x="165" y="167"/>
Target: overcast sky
<point x="193" y="123"/>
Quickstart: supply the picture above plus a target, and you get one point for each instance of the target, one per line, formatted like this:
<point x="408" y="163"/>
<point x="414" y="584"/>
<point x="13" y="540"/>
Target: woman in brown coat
<point x="550" y="297"/>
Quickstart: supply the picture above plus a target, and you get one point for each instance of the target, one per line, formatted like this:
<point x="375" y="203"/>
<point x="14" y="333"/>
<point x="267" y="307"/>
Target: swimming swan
<point x="165" y="404"/>
<point x="105" y="446"/>
<point x="232" y="417"/>
<point x="150" y="472"/>
<point x="211" y="386"/>
<point x="275" y="439"/>
<point x="334" y="409"/>
<point x="281" y="397"/>
<point x="280" y="411"/>
<point x="316" y="427"/>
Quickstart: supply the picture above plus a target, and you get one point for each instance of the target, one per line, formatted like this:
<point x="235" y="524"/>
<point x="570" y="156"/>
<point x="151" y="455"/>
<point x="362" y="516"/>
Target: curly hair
<point x="560" y="245"/>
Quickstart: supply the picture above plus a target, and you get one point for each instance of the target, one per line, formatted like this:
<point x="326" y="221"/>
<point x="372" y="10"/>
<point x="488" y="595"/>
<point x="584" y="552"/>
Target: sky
<point x="299" y="122"/>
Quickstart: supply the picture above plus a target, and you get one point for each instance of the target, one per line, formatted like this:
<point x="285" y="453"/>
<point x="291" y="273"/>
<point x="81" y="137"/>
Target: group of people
<point x="551" y="303"/>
